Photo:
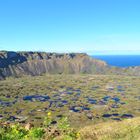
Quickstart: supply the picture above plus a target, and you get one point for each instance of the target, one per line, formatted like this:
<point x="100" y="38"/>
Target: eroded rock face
<point x="36" y="63"/>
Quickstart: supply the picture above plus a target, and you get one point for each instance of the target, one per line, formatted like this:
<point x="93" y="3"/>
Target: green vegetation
<point x="89" y="104"/>
<point x="48" y="131"/>
<point x="124" y="130"/>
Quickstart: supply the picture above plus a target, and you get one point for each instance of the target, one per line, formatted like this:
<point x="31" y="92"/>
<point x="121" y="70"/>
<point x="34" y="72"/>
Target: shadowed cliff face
<point x="36" y="63"/>
<point x="10" y="58"/>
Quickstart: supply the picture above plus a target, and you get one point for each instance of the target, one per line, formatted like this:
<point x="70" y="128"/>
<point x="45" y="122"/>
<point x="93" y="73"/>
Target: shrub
<point x="61" y="130"/>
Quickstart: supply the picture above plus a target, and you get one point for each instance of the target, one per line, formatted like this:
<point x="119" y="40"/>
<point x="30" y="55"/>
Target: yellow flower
<point x="49" y="114"/>
<point x="78" y="135"/>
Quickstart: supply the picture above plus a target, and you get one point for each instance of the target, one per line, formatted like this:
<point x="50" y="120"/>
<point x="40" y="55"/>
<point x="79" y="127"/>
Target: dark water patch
<point x="40" y="98"/>
<point x="106" y="98"/>
<point x="116" y="119"/>
<point x="116" y="99"/>
<point x="106" y="115"/>
<point x="92" y="101"/>
<point x="79" y="108"/>
<point x="64" y="102"/>
<point x="127" y="116"/>
<point x="6" y="103"/>
<point x="115" y="114"/>
<point x="119" y="116"/>
<point x="86" y="108"/>
<point x="111" y="115"/>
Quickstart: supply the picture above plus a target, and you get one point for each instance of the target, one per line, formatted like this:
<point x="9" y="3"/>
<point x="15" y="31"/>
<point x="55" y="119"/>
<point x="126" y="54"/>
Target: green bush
<point x="48" y="131"/>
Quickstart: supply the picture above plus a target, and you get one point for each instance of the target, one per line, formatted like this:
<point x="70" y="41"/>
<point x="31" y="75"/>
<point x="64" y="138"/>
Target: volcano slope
<point x="18" y="64"/>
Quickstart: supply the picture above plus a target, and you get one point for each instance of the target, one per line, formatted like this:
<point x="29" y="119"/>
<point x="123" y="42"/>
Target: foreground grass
<point x="123" y="130"/>
<point x="49" y="131"/>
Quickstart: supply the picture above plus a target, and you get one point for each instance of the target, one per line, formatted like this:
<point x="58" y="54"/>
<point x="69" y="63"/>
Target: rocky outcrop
<point x="36" y="63"/>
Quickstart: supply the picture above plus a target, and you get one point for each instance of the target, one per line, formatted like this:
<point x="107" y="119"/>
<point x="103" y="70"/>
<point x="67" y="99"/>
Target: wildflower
<point x="49" y="114"/>
<point x="78" y="135"/>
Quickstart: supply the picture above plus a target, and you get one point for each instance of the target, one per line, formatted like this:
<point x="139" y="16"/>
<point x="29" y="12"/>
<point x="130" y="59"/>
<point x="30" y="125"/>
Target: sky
<point x="90" y="26"/>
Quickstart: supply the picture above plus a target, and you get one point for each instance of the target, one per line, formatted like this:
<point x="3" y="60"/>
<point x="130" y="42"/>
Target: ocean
<point x="120" y="60"/>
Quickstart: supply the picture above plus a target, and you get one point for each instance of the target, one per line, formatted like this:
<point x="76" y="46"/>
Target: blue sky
<point x="91" y="26"/>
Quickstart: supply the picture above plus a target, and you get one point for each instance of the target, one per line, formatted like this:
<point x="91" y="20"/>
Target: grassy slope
<point x="123" y="130"/>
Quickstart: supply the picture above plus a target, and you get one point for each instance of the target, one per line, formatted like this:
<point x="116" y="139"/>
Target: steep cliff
<point x="36" y="63"/>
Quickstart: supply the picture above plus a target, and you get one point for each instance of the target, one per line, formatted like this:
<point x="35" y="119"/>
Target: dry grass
<point x="124" y="130"/>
